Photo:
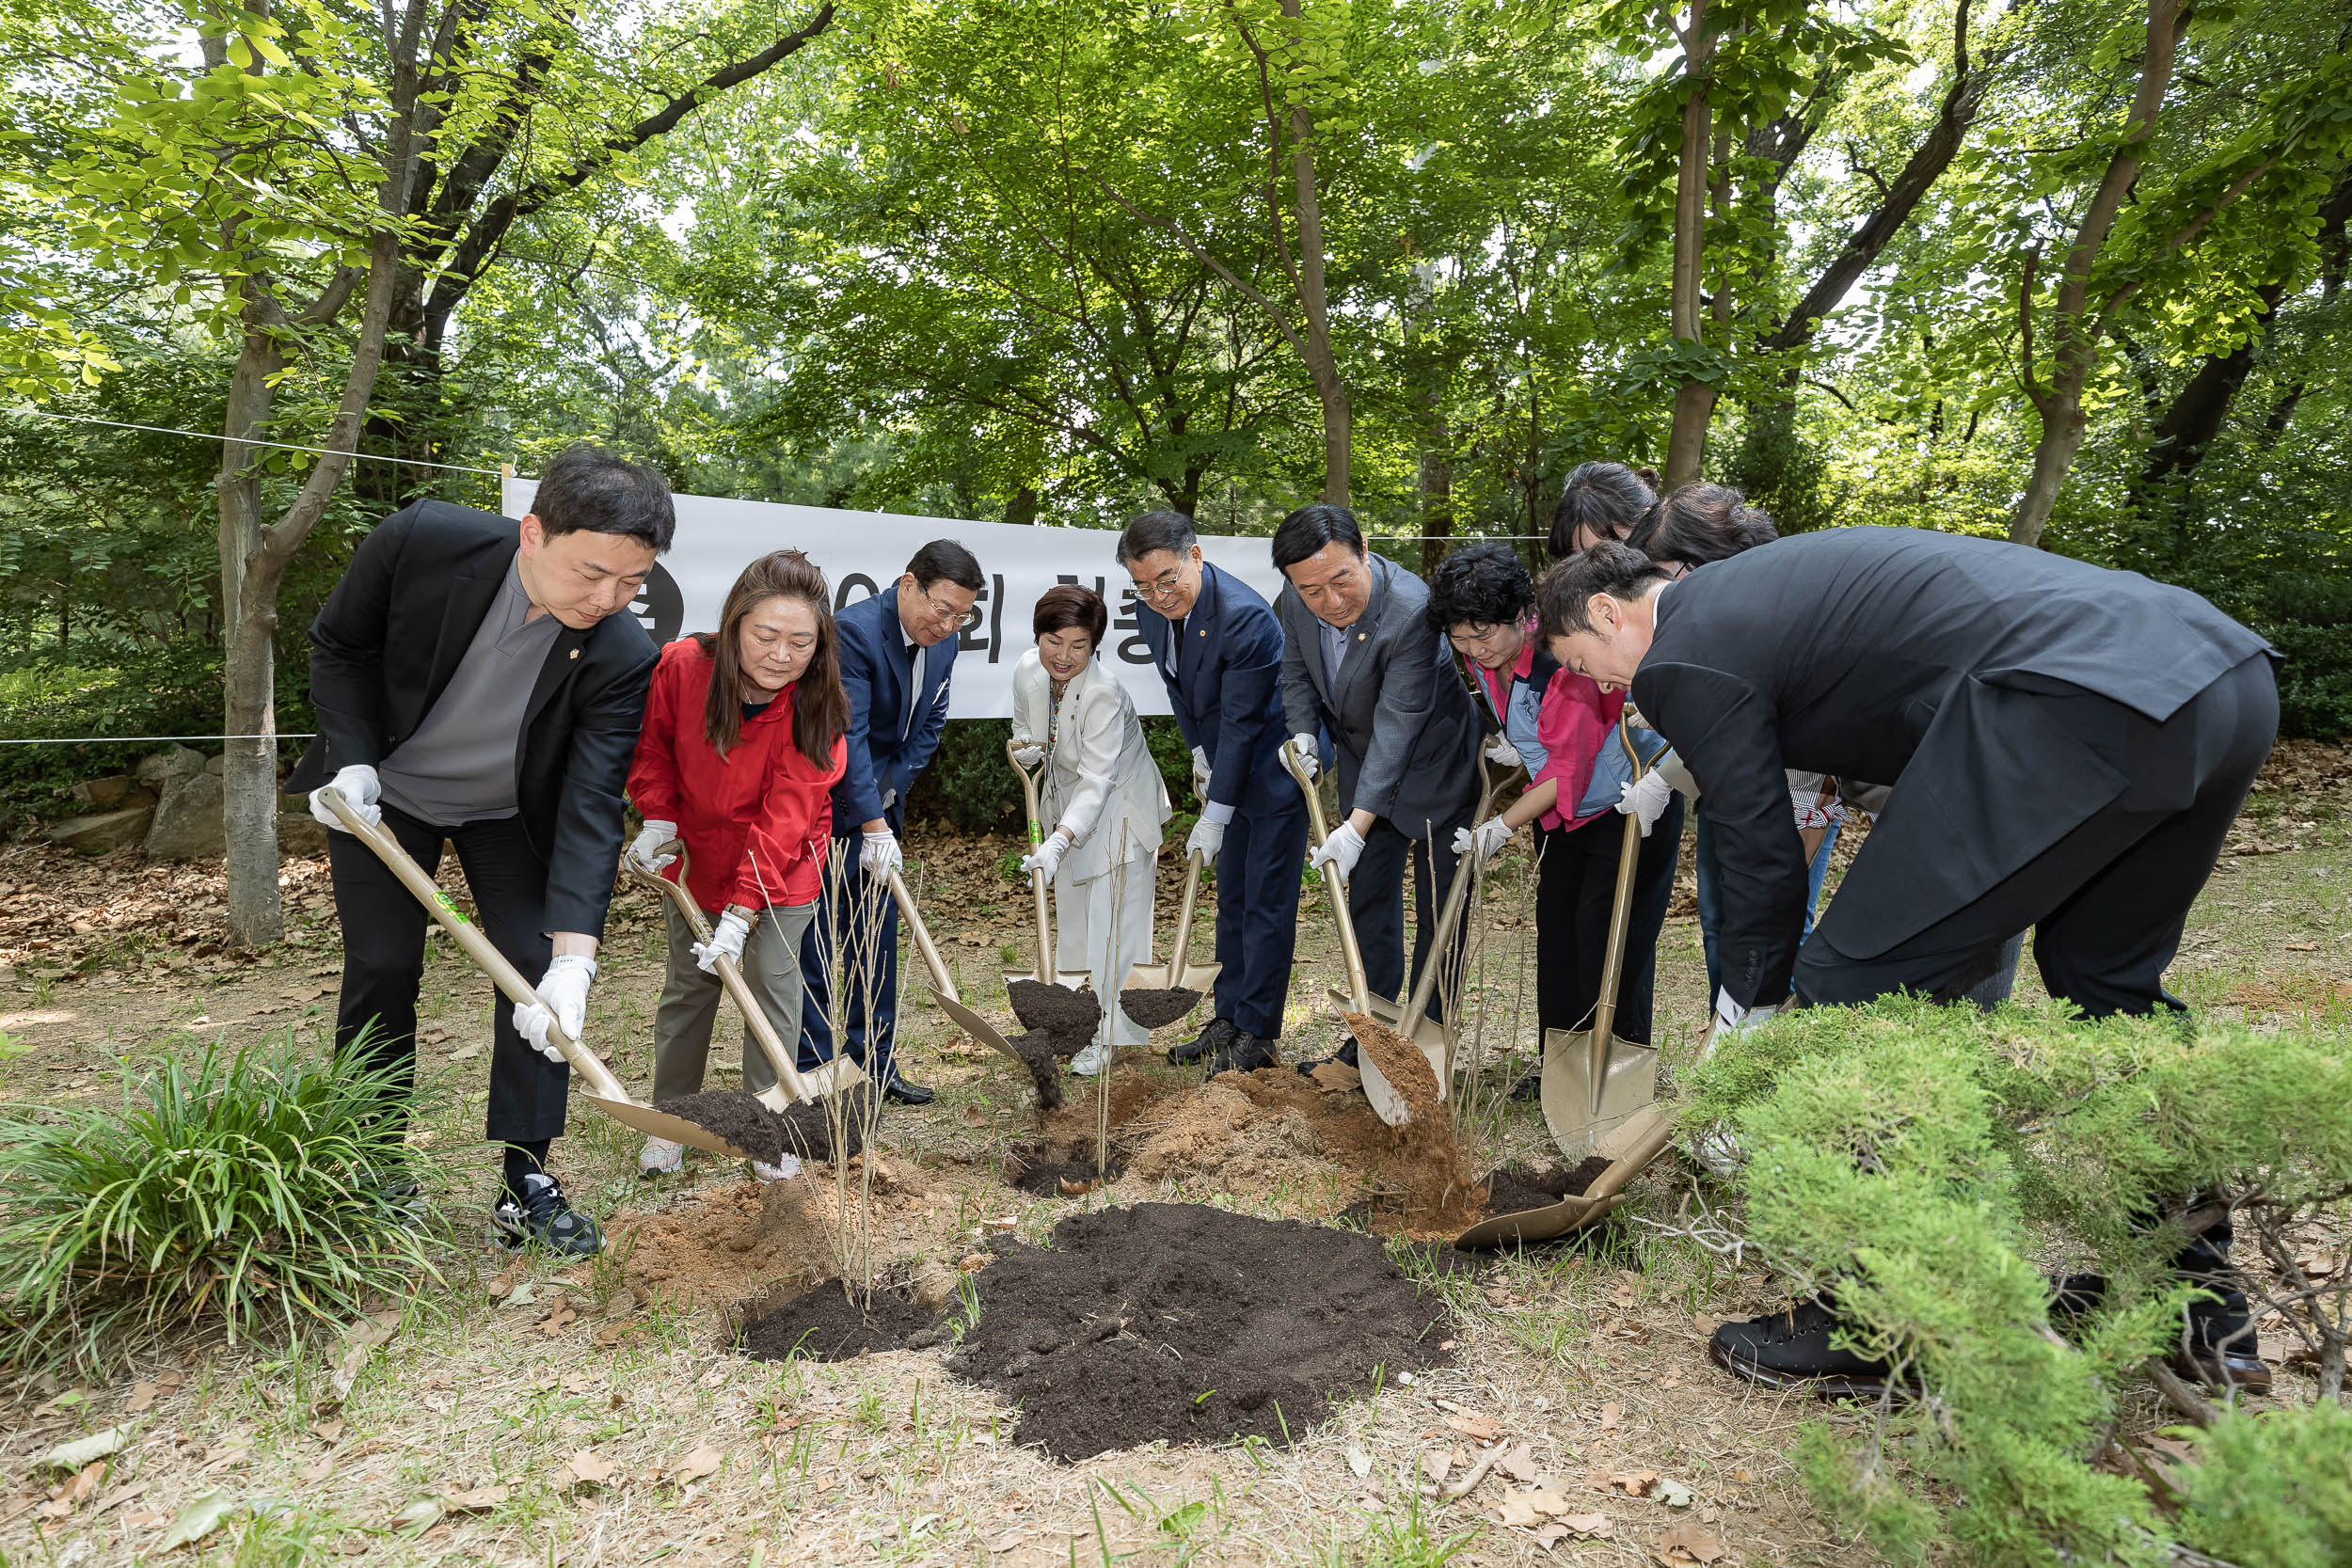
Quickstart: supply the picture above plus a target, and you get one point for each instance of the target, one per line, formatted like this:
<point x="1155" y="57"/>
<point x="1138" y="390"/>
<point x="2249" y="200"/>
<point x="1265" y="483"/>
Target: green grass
<point x="241" y="1192"/>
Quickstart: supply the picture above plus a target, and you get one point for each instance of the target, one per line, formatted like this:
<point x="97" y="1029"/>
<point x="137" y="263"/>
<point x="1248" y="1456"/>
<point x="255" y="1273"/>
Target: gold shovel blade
<point x="1536" y="1225"/>
<point x="1387" y="1104"/>
<point x="1429" y="1035"/>
<point x="1077" y="979"/>
<point x="1630" y="1087"/>
<point x="1200" y="978"/>
<point x="975" y="1025"/>
<point x="661" y="1124"/>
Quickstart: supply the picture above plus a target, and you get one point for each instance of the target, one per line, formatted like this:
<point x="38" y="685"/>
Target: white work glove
<point x="1201" y="773"/>
<point x="880" y="855"/>
<point x="1646" y="799"/>
<point x="641" y="852"/>
<point x="360" y="789"/>
<point x="1047" y="856"/>
<point x="1029" y="755"/>
<point x="1308" y="762"/>
<point x="1487" y="838"/>
<point x="726" y="941"/>
<point x="1339" y="853"/>
<point x="1732" y="1019"/>
<point x="563" y="990"/>
<point x="1207" y="839"/>
<point x="1500" y="752"/>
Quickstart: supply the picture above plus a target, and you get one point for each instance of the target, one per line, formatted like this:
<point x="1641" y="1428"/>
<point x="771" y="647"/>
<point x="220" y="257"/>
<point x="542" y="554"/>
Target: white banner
<point x="862" y="552"/>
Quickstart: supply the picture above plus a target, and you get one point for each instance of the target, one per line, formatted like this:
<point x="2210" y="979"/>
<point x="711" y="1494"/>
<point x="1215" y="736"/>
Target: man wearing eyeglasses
<point x="898" y="648"/>
<point x="1219" y="652"/>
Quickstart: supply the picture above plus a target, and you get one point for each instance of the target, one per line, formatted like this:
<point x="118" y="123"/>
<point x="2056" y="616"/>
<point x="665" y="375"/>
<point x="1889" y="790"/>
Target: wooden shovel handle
<point x="471" y="938"/>
<point x="1358" y="989"/>
<point x="1045" y="970"/>
<point x="1457" y="894"/>
<point x="1183" y="918"/>
<point x="920" y="935"/>
<point x="730" y="975"/>
<point x="1621" y="907"/>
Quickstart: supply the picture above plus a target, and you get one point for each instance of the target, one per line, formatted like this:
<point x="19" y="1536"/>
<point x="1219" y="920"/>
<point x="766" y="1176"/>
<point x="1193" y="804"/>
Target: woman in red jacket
<point x="742" y="742"/>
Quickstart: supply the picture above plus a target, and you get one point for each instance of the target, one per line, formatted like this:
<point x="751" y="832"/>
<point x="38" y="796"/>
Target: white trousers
<point x="1087" y="936"/>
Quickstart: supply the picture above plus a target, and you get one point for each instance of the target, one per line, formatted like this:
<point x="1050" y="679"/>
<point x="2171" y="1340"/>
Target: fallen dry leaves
<point x="588" y="1469"/>
<point x="1687" y="1543"/>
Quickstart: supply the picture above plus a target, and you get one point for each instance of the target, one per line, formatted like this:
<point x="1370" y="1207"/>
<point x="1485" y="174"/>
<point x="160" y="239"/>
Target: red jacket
<point x="763" y="800"/>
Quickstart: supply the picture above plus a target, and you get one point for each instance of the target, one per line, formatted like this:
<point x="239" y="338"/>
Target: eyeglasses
<point x="948" y="612"/>
<point x="1163" y="586"/>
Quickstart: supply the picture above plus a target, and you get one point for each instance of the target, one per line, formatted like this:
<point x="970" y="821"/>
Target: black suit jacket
<point x="393" y="632"/>
<point x="2008" y="693"/>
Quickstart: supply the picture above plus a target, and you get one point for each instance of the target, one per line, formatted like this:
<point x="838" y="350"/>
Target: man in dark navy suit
<point x="1219" y="652"/>
<point x="897" y="650"/>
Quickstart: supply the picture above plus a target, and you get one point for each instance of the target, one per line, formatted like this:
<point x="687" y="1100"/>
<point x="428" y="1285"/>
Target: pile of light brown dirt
<point x="825" y="1323"/>
<point x="1156" y="1008"/>
<point x="724" y="1245"/>
<point x="1402" y="1064"/>
<point x="1190" y="1324"/>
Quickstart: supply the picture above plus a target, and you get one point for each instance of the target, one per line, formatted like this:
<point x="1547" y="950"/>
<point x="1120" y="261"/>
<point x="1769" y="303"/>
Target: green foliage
<point x="246" y="1192"/>
<point x="1917" y="1161"/>
<point x="2308" y="618"/>
<point x="2273" y="1489"/>
<point x="970" y="785"/>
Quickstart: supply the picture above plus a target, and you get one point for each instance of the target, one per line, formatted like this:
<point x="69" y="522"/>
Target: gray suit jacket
<point x="1406" y="735"/>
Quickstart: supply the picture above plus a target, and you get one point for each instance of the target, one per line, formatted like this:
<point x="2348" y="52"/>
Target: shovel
<point x="1413" y="1021"/>
<point x="791" y="1085"/>
<point x="1651" y="1131"/>
<point x="1595" y="1083"/>
<point x="1387" y="1104"/>
<point x="1045" y="974"/>
<point x="943" y="985"/>
<point x="1179" y="972"/>
<point x="605" y="1091"/>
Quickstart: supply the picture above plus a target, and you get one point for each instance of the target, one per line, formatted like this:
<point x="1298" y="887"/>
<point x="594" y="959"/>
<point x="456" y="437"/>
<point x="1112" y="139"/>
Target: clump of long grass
<point x="252" y="1192"/>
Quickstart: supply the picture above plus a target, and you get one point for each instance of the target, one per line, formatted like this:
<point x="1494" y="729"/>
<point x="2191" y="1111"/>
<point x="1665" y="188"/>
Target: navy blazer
<point x="1226" y="687"/>
<point x="888" y="744"/>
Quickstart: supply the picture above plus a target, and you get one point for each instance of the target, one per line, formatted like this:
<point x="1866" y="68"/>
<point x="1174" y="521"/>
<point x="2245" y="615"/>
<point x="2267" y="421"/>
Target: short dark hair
<point x="1309" y="529"/>
<point x="1604" y="499"/>
<point x="1700" y="523"/>
<point x="587" y="488"/>
<point x="1066" y="605"/>
<point x="944" y="558"/>
<point x="1608" y="568"/>
<point x="1484" y="585"/>
<point x="1154" y="532"/>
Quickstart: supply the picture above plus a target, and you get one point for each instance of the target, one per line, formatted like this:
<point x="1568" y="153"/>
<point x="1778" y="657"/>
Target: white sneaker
<point x="1093" y="1060"/>
<point x="784" y="1172"/>
<point x="660" y="1157"/>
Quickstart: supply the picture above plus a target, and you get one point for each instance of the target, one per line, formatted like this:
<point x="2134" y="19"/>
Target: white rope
<point x="142" y="739"/>
<point x="247" y="441"/>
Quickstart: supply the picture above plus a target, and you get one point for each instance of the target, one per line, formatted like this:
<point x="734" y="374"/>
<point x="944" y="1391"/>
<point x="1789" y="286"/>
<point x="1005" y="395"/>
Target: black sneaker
<point x="1344" y="1055"/>
<point x="1242" y="1054"/>
<point x="1793" y="1348"/>
<point x="1203" y="1044"/>
<point x="542" y="1217"/>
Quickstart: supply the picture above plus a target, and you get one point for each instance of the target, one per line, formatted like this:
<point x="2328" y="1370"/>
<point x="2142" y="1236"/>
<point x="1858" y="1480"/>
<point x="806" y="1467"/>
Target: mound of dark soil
<point x="1041" y="1168"/>
<point x="1042" y="1053"/>
<point x="808" y="1126"/>
<point x="1190" y="1324"/>
<point x="822" y="1323"/>
<point x="1155" y="1008"/>
<point x="1056" y="1010"/>
<point x="805" y="1130"/>
<point x="1513" y="1188"/>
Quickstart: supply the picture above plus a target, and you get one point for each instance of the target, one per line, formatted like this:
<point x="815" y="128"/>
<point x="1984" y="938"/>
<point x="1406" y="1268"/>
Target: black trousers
<point x="1375" y="901"/>
<point x="1576" y="889"/>
<point x="2108" y="900"/>
<point x="384" y="929"/>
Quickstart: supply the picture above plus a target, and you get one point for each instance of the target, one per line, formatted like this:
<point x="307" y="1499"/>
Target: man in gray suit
<point x="1360" y="664"/>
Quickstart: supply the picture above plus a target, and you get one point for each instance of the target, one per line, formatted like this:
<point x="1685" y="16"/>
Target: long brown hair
<point x="820" y="709"/>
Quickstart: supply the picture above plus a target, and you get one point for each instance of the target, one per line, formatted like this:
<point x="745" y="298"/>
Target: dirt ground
<point x="530" y="1412"/>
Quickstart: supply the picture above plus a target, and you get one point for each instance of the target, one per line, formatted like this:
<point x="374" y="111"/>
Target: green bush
<point x="2274" y="1489"/>
<point x="247" y="1192"/>
<point x="1919" y="1161"/>
<point x="2310" y="620"/>
<point x="970" y="785"/>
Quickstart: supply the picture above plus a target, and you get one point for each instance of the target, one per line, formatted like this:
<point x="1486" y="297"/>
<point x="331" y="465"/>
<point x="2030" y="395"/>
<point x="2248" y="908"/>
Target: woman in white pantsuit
<point x="1105" y="798"/>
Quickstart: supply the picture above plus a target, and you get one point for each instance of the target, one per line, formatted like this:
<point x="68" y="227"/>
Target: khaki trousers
<point x="690" y="1001"/>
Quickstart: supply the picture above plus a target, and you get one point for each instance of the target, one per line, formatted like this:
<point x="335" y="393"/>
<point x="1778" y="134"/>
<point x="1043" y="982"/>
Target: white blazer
<point x="1099" y="772"/>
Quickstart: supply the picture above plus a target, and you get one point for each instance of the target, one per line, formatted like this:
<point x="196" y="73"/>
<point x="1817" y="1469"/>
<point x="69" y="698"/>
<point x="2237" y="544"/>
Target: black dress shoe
<point x="1344" y="1055"/>
<point x="1203" y="1044"/>
<point x="2222" y="1371"/>
<point x="1792" y="1350"/>
<point x="899" y="1091"/>
<point x="1242" y="1054"/>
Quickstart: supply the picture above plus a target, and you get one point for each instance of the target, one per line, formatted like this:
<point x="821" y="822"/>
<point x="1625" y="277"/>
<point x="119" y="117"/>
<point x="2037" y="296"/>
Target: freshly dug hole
<point x="1056" y="1010"/>
<point x="1156" y="1008"/>
<point x="822" y="1323"/>
<point x="1040" y="1168"/>
<point x="1187" y="1323"/>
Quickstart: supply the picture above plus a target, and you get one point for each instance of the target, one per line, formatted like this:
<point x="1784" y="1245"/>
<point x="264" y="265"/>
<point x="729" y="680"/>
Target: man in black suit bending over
<point x="478" y="680"/>
<point x="2067" y="746"/>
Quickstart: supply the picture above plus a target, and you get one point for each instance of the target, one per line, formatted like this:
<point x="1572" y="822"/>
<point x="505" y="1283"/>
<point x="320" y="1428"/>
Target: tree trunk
<point x="2193" y="418"/>
<point x="2053" y="454"/>
<point x="248" y="768"/>
<point x="1320" y="364"/>
<point x="1694" y="400"/>
<point x="1437" y="497"/>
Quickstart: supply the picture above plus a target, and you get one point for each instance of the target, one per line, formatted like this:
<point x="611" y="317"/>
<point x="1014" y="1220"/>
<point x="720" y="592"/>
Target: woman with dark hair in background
<point x="1105" y="798"/>
<point x="743" y="743"/>
<point x="1600" y="500"/>
<point x="1563" y="729"/>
